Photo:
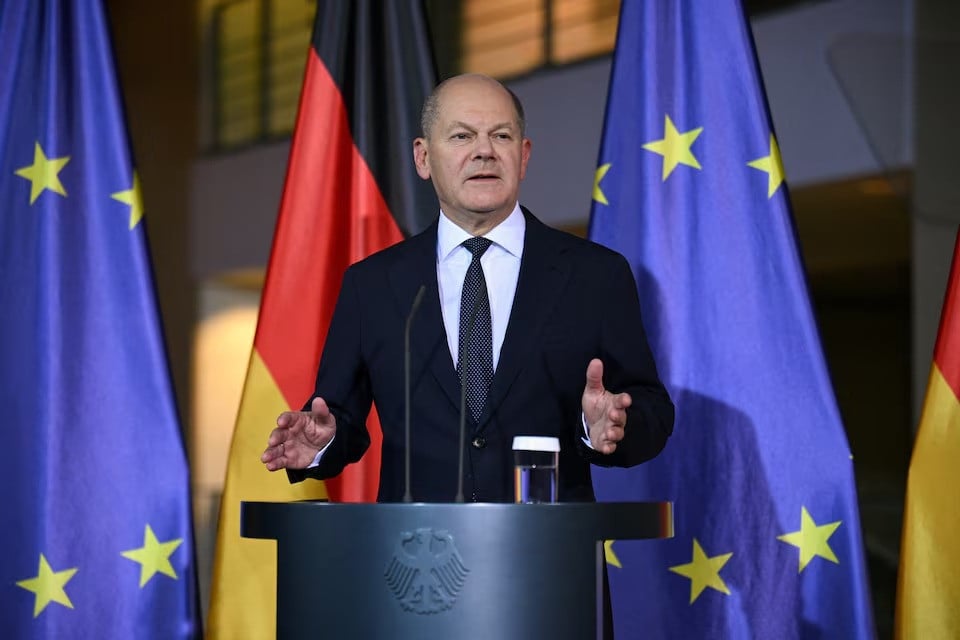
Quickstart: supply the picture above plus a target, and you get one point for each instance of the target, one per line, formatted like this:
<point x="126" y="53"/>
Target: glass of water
<point x="536" y="462"/>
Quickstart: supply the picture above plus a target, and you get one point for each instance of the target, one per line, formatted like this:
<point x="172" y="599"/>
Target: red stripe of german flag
<point x="332" y="215"/>
<point x="946" y="355"/>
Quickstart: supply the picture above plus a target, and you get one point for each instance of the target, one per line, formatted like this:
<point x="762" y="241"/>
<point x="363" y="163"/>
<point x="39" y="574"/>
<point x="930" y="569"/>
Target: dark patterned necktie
<point x="477" y="347"/>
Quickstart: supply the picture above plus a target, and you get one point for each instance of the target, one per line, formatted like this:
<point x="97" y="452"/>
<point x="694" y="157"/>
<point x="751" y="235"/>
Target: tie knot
<point x="477" y="245"/>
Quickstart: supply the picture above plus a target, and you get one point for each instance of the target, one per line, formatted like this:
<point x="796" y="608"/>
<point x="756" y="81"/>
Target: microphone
<point x="482" y="293"/>
<point x="417" y="299"/>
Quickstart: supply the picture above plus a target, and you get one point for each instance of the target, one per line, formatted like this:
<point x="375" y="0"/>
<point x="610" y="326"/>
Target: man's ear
<point x="420" y="158"/>
<point x="525" y="148"/>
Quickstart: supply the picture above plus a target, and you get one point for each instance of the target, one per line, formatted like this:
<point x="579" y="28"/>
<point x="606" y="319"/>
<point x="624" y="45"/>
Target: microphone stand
<point x="407" y="496"/>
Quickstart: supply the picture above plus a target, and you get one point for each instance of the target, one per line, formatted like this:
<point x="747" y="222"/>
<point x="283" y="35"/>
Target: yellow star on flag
<point x="812" y="539"/>
<point x="43" y="173"/>
<point x="153" y="556"/>
<point x="675" y="147"/>
<point x="597" y="177"/>
<point x="772" y="165"/>
<point x="47" y="586"/>
<point x="132" y="197"/>
<point x="610" y="554"/>
<point x="703" y="572"/>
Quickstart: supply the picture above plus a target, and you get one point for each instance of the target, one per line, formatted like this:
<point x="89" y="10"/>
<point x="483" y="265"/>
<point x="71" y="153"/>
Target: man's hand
<point x="605" y="412"/>
<point x="299" y="436"/>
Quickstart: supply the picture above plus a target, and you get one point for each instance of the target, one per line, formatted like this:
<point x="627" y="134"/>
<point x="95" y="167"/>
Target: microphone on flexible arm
<point x="481" y="294"/>
<point x="417" y="299"/>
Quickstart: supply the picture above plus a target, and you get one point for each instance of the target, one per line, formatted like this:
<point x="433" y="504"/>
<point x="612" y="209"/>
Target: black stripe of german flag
<point x="378" y="56"/>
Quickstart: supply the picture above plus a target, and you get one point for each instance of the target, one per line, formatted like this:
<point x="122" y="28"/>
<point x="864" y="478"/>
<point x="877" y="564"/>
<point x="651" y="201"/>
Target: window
<point x="505" y="38"/>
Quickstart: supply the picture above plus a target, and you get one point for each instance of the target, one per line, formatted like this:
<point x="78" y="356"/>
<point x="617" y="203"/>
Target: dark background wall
<point x="157" y="57"/>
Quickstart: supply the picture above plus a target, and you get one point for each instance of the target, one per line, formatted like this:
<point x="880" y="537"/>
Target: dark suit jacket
<point x="575" y="300"/>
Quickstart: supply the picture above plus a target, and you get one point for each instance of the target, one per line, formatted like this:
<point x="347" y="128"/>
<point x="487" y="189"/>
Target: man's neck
<point x="481" y="223"/>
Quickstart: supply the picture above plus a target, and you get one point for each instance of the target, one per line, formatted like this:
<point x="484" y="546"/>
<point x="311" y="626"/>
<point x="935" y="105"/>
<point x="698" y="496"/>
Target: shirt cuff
<point x="586" y="433"/>
<point x="316" y="458"/>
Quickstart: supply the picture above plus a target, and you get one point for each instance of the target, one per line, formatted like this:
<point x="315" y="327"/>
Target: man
<point x="543" y="328"/>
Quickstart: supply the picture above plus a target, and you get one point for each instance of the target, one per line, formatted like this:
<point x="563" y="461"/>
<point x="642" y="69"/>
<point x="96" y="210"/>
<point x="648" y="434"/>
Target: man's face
<point x="475" y="153"/>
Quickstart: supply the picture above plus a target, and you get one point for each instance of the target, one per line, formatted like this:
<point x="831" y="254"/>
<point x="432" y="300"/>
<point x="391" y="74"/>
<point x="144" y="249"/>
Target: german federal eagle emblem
<point x="426" y="572"/>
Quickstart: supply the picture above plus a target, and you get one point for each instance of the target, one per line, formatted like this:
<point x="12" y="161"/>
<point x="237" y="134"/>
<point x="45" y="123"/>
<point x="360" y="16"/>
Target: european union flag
<point x="690" y="189"/>
<point x="97" y="538"/>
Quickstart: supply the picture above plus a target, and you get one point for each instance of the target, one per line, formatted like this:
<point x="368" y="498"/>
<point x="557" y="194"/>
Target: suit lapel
<point x="428" y="338"/>
<point x="543" y="275"/>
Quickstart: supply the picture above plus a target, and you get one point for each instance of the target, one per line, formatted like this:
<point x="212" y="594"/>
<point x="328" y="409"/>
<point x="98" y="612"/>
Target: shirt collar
<point x="508" y="234"/>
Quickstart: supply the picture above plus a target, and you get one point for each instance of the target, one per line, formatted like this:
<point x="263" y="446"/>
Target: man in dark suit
<point x="562" y="351"/>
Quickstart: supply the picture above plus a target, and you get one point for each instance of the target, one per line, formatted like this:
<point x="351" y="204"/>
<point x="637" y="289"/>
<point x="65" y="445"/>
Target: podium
<point x="445" y="571"/>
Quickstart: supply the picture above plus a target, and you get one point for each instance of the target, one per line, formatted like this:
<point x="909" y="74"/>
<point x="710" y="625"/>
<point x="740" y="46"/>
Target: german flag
<point x="928" y="590"/>
<point x="351" y="189"/>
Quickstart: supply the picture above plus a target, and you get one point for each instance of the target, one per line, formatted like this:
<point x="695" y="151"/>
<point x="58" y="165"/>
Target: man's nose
<point x="483" y="148"/>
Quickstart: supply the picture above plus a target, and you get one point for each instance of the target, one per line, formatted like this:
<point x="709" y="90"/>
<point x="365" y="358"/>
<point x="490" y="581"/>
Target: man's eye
<point x="459" y="136"/>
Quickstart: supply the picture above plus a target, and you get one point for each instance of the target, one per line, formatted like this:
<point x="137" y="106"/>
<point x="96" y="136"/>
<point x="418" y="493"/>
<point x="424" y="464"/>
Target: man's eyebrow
<point x="456" y="124"/>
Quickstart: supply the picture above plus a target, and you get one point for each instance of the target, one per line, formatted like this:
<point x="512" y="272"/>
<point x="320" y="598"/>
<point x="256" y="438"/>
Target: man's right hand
<point x="299" y="436"/>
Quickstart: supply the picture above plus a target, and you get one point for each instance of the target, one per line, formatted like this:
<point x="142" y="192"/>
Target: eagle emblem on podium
<point x="426" y="571"/>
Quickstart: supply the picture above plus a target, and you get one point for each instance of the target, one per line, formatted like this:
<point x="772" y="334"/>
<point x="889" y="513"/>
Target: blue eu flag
<point x="690" y="189"/>
<point x="96" y="540"/>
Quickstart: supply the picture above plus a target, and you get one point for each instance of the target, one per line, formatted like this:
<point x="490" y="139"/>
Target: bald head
<point x="433" y="103"/>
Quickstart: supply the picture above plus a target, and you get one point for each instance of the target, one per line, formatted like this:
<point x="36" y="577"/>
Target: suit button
<point x="479" y="443"/>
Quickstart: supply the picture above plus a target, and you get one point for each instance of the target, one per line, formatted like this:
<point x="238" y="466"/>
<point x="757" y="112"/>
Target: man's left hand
<point x="605" y="412"/>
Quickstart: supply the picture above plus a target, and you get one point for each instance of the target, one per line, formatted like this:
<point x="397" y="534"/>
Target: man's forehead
<point x="467" y="107"/>
<point x="475" y="90"/>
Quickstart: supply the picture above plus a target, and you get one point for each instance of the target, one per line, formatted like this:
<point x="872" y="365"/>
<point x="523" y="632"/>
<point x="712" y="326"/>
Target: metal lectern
<point x="445" y="571"/>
